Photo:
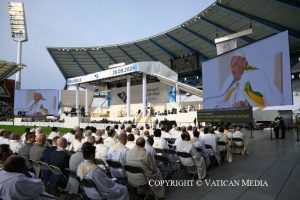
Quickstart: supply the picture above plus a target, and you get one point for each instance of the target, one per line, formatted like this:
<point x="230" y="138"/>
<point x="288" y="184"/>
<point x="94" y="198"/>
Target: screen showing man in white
<point x="36" y="102"/>
<point x="242" y="88"/>
<point x="257" y="75"/>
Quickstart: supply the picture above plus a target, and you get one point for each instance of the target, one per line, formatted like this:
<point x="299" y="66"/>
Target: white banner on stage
<point x="156" y="93"/>
<point x="228" y="45"/>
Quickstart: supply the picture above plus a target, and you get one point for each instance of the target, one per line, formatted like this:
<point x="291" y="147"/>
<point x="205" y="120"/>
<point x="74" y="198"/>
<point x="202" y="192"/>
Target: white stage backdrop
<point x="262" y="79"/>
<point x="156" y="93"/>
<point x="36" y="102"/>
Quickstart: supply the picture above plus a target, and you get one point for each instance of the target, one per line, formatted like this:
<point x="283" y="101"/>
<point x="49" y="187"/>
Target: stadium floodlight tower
<point x="18" y="32"/>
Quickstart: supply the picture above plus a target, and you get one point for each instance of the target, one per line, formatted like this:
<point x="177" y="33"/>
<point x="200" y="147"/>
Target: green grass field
<point x="20" y="129"/>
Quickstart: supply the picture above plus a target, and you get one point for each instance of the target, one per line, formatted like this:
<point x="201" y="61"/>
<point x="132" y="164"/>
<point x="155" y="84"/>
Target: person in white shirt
<point x="223" y="138"/>
<point x="216" y="130"/>
<point x="159" y="142"/>
<point x="148" y="146"/>
<point x="187" y="146"/>
<point x="15" y="144"/>
<point x="221" y="135"/>
<point x="239" y="134"/>
<point x="174" y="133"/>
<point x="4" y="137"/>
<point x="141" y="129"/>
<point x="118" y="153"/>
<point x="210" y="138"/>
<point x="87" y="134"/>
<point x="76" y="144"/>
<point x="101" y="149"/>
<point x="201" y="130"/>
<point x="130" y="141"/>
<point x="92" y="140"/>
<point x="198" y="143"/>
<point x="136" y="134"/>
<point x="147" y="127"/>
<point x="53" y="133"/>
<point x="38" y="130"/>
<point x="101" y="133"/>
<point x="178" y="139"/>
<point x="23" y="139"/>
<point x="190" y="131"/>
<point x="146" y="135"/>
<point x="110" y="141"/>
<point x="116" y="128"/>
<point x="227" y="132"/>
<point x="164" y="131"/>
<point x="128" y="130"/>
<point x="70" y="136"/>
<point x="122" y="128"/>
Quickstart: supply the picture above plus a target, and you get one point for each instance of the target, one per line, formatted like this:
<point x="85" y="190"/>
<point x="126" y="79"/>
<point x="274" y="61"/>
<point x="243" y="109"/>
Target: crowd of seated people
<point x="105" y="121"/>
<point x="88" y="153"/>
<point x="174" y="111"/>
<point x="43" y="119"/>
<point x="6" y="111"/>
<point x="72" y="112"/>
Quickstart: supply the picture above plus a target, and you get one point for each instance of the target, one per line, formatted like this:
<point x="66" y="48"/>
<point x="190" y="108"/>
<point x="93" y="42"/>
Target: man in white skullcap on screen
<point x="36" y="107"/>
<point x="246" y="86"/>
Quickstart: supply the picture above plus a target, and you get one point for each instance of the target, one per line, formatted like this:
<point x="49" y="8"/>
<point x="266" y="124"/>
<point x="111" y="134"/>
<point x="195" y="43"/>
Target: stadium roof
<point x="7" y="69"/>
<point x="195" y="36"/>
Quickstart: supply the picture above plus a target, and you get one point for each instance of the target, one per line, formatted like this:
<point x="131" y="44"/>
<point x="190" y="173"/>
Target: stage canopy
<point x="157" y="70"/>
<point x="195" y="36"/>
<point x="8" y="69"/>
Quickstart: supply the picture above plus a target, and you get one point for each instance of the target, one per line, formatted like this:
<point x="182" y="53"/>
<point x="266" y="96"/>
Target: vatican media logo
<point x="235" y="183"/>
<point x="210" y="183"/>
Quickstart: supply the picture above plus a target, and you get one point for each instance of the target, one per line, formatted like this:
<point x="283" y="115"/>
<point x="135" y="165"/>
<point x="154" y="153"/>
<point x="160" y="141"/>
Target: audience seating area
<point x="168" y="159"/>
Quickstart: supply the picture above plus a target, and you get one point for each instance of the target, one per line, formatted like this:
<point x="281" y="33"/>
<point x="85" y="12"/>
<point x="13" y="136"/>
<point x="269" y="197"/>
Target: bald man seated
<point x="89" y="170"/>
<point x="37" y="150"/>
<point x="59" y="158"/>
<point x="118" y="151"/>
<point x="139" y="156"/>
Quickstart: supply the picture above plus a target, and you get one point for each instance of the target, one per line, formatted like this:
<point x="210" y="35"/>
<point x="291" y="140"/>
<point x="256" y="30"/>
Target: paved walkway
<point x="275" y="161"/>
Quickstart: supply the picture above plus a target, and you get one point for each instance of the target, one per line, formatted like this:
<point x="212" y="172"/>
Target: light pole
<point x="18" y="32"/>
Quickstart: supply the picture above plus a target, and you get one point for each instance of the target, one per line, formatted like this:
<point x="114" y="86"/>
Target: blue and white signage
<point x="118" y="71"/>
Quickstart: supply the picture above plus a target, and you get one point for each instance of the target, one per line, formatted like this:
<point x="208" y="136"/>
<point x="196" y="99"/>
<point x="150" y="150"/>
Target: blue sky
<point x="81" y="23"/>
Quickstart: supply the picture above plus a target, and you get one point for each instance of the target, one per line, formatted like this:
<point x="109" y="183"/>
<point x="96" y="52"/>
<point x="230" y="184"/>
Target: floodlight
<point x="18" y="32"/>
<point x="17" y="21"/>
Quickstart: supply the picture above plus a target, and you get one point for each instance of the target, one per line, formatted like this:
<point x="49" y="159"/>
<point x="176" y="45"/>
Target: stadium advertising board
<point x="256" y="75"/>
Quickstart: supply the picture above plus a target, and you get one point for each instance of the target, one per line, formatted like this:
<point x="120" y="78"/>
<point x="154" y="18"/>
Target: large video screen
<point x="36" y="103"/>
<point x="186" y="64"/>
<point x="256" y="75"/>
